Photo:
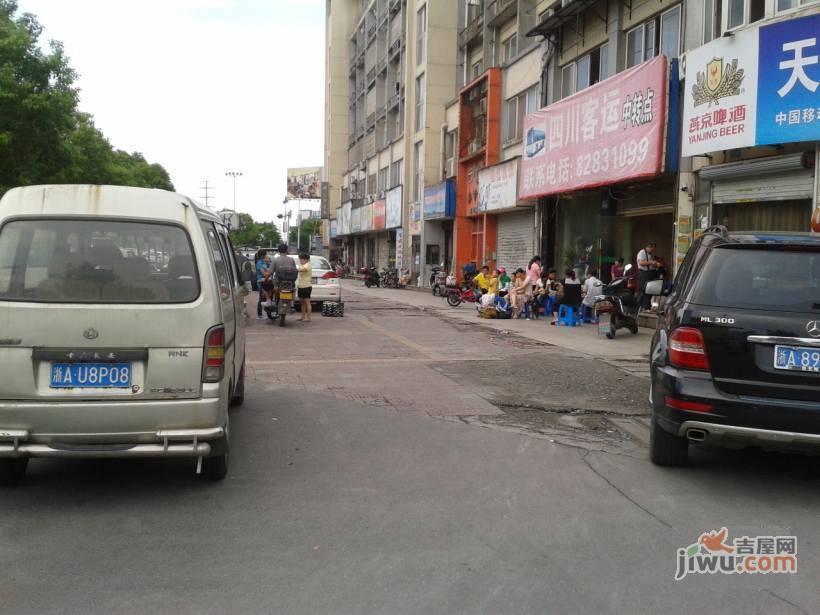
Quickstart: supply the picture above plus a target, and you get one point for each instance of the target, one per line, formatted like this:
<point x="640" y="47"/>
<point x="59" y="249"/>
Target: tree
<point x="37" y="102"/>
<point x="307" y="230"/>
<point x="250" y="233"/>
<point x="43" y="137"/>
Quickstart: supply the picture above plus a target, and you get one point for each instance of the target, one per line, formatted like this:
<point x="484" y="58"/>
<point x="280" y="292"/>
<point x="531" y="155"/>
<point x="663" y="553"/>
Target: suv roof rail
<point x="719" y="229"/>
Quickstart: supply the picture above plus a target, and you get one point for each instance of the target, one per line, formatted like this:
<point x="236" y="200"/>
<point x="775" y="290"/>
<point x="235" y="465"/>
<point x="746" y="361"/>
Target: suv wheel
<point x="666" y="449"/>
<point x="12" y="470"/>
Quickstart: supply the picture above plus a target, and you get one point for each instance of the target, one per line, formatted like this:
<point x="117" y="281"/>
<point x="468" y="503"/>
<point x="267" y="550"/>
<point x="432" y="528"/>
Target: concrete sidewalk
<point x="584" y="339"/>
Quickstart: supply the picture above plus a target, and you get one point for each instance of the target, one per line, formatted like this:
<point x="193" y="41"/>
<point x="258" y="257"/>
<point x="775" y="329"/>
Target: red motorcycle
<point x="464" y="294"/>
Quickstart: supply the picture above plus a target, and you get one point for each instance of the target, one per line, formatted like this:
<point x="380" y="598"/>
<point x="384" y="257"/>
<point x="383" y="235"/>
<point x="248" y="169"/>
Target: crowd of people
<point x="272" y="271"/>
<point x="533" y="292"/>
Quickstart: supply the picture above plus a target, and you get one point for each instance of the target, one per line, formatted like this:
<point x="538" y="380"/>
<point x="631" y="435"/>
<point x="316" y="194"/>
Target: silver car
<point x="122" y="331"/>
<point x="326" y="284"/>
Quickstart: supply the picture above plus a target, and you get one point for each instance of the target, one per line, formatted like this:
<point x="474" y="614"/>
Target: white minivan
<point x="121" y="327"/>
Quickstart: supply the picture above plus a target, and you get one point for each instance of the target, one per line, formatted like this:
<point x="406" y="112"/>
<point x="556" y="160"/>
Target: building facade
<point x="399" y="59"/>
<point x="494" y="130"/>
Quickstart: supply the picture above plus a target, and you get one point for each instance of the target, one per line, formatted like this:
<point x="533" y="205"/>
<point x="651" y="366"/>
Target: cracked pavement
<point x="403" y="460"/>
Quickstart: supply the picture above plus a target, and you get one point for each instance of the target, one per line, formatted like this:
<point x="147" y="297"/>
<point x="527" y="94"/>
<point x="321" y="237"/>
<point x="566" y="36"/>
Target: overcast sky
<point x="202" y="86"/>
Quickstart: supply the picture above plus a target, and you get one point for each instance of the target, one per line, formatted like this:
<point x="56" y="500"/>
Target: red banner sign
<point x="379" y="213"/>
<point x="610" y="132"/>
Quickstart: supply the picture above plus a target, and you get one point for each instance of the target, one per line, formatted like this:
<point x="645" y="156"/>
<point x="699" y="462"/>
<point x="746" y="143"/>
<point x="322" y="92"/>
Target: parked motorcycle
<point x="390" y="277"/>
<point x="458" y="295"/>
<point x="617" y="307"/>
<point x="438" y="280"/>
<point x="371" y="276"/>
<point x="283" y="304"/>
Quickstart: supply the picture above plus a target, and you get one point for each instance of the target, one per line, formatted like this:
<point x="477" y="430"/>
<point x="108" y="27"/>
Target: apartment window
<point x="476" y="69"/>
<point x="509" y="49"/>
<point x="396" y="173"/>
<point x="420" y="102"/>
<point x="587" y="70"/>
<point x="744" y="11"/>
<point x="711" y="20"/>
<point x="785" y="5"/>
<point x="582" y="73"/>
<point x="450" y="150"/>
<point x="670" y="32"/>
<point x="544" y="14"/>
<point x="372" y="187"/>
<point x="384" y="179"/>
<point x="568" y="80"/>
<point x="421" y="30"/>
<point x="418" y="166"/>
<point x="657" y="35"/>
<point x="515" y="109"/>
<point x="473" y="9"/>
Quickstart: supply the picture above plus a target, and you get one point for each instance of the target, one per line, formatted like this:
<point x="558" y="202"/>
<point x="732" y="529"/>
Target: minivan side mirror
<point x="654" y="288"/>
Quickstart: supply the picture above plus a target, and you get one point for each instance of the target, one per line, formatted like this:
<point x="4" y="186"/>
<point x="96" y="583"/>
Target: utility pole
<point x="233" y="175"/>
<point x="208" y="189"/>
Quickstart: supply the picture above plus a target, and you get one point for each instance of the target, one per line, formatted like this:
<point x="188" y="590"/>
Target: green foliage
<point x="255" y="234"/>
<point x="43" y="137"/>
<point x="307" y="230"/>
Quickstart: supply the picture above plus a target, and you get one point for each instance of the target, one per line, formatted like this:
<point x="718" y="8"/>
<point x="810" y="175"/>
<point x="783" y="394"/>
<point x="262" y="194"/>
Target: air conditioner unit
<point x="549" y="13"/>
<point x="381" y="194"/>
<point x="363" y="165"/>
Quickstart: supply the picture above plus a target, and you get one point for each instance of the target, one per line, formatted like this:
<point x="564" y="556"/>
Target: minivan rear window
<point x="96" y="261"/>
<point x="760" y="278"/>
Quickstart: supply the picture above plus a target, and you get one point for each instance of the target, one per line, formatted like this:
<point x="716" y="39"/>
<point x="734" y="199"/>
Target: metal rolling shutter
<point x="774" y="187"/>
<point x="514" y="245"/>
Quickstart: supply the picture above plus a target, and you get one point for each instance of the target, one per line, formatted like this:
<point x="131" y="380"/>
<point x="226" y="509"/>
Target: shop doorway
<point x="634" y="232"/>
<point x="792" y="216"/>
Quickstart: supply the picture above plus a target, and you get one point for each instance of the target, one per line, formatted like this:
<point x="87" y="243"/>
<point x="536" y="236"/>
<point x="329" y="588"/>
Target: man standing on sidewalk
<point x="647" y="266"/>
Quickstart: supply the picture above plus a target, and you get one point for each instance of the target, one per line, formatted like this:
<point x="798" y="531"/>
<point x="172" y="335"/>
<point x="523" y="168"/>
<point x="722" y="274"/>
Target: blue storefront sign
<point x="788" y="90"/>
<point x="440" y="201"/>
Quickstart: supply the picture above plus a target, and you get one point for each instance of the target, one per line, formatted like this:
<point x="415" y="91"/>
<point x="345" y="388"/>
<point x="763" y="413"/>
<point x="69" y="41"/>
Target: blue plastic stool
<point x="588" y="314"/>
<point x="568" y="316"/>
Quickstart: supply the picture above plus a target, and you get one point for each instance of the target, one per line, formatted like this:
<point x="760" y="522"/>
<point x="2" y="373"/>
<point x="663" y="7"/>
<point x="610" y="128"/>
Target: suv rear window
<point x="96" y="261"/>
<point x="785" y="280"/>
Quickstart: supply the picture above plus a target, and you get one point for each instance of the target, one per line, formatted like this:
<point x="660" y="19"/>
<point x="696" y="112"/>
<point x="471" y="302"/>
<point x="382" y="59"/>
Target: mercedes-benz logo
<point x="92" y="334"/>
<point x="813" y="328"/>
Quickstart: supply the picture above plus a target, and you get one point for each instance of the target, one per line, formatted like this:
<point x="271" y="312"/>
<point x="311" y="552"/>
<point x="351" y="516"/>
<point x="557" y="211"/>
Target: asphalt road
<point x="386" y="462"/>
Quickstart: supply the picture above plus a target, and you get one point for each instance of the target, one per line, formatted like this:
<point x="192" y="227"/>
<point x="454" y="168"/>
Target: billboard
<point x="305" y="183"/>
<point x="334" y="229"/>
<point x="393" y="206"/>
<point x="497" y="186"/>
<point x="379" y="213"/>
<point x="345" y="215"/>
<point x="356" y="221"/>
<point x="367" y="217"/>
<point x="609" y="132"/>
<point x="440" y="201"/>
<point x="757" y="87"/>
<point x="415" y="219"/>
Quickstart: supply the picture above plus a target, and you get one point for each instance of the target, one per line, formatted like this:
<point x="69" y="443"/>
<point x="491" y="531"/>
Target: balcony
<point x="381" y="66"/>
<point x="395" y="99"/>
<point x="499" y="11"/>
<point x="371" y="120"/>
<point x="473" y="30"/>
<point x="394" y="6"/>
<point x="395" y="48"/>
<point x="371" y="76"/>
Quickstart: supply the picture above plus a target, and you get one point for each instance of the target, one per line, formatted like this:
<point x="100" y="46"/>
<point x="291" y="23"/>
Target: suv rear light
<point x="687" y="349"/>
<point x="213" y="362"/>
<point x="681" y="404"/>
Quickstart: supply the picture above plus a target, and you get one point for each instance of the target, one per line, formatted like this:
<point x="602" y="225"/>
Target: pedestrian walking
<point x="304" y="286"/>
<point x="262" y="263"/>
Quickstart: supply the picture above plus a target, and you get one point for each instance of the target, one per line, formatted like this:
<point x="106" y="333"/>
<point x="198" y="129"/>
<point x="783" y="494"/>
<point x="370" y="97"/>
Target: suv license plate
<point x="90" y="375"/>
<point x="797" y="358"/>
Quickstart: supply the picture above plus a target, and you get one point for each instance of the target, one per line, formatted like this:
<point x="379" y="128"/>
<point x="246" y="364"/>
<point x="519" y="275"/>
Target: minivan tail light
<point x="213" y="363"/>
<point x="687" y="349"/>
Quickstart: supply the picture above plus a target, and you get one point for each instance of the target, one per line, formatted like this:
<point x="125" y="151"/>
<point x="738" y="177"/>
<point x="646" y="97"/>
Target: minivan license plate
<point x="797" y="358"/>
<point x="90" y="375"/>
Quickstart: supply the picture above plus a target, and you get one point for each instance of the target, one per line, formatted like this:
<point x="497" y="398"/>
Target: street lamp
<point x="233" y="175"/>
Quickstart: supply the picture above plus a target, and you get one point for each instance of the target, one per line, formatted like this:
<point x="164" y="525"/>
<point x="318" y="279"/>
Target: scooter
<point x="390" y="277"/>
<point x="617" y="307"/>
<point x="455" y="296"/>
<point x="283" y="305"/>
<point x="438" y="280"/>
<point x="371" y="276"/>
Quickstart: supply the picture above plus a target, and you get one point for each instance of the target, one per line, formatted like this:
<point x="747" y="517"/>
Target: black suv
<point x="735" y="359"/>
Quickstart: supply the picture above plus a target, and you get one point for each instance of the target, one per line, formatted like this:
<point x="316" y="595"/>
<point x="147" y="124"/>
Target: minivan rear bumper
<point x="170" y="428"/>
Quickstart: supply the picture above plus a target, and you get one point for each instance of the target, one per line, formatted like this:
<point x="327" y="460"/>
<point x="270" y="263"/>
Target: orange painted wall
<point x="475" y="234"/>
